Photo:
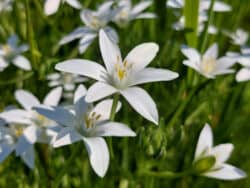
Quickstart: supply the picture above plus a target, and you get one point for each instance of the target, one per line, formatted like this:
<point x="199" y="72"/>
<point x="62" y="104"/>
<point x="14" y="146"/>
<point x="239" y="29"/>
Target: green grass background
<point x="223" y="103"/>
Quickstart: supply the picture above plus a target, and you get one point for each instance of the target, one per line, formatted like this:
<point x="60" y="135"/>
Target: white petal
<point x="222" y="152"/>
<point x="192" y="64"/>
<point x="175" y="3"/>
<point x="80" y="92"/>
<point x="98" y="154"/>
<point x="16" y="116"/>
<point x="147" y="15"/>
<point x="103" y="108"/>
<point x="205" y="141"/>
<point x="112" y="34"/>
<point x="110" y="51"/>
<point x="191" y="53"/>
<point x="221" y="7"/>
<point x="225" y="62"/>
<point x="58" y="114"/>
<point x="77" y="33"/>
<point x="32" y="133"/>
<point x="98" y="91"/>
<point x="140" y="100"/>
<point x="243" y="75"/>
<point x="74" y="3"/>
<point x="65" y="137"/>
<point x="227" y="172"/>
<point x="26" y="99"/>
<point x="53" y="97"/>
<point x="140" y="7"/>
<point x="22" y="62"/>
<point x="86" y="41"/>
<point x="153" y="75"/>
<point x="29" y="157"/>
<point x="5" y="151"/>
<point x="51" y="6"/>
<point x="113" y="129"/>
<point x="83" y="67"/>
<point x="22" y="145"/>
<point x="87" y="17"/>
<point x="3" y="64"/>
<point x="212" y="52"/>
<point x="142" y="55"/>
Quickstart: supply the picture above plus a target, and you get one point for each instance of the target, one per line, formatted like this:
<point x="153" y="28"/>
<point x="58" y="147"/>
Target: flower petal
<point x="153" y="75"/>
<point x="77" y="33"/>
<point x="22" y="62"/>
<point x="142" y="55"/>
<point x="221" y="7"/>
<point x="140" y="100"/>
<point x="80" y="92"/>
<point x="86" y="41"/>
<point x="98" y="154"/>
<point x="16" y="116"/>
<point x="212" y="52"/>
<point x="65" y="137"/>
<point x="103" y="109"/>
<point x="5" y="151"/>
<point x="58" y="114"/>
<point x="29" y="157"/>
<point x="226" y="172"/>
<point x="222" y="153"/>
<point x="192" y="64"/>
<point x="53" y="97"/>
<point x="147" y="15"/>
<point x="113" y="129"/>
<point x="140" y="7"/>
<point x="205" y="141"/>
<point x="110" y="51"/>
<point x="22" y="145"/>
<point x="74" y="3"/>
<point x="192" y="54"/>
<point x="225" y="62"/>
<point x="83" y="67"/>
<point x="26" y="99"/>
<point x="243" y="75"/>
<point x="51" y="6"/>
<point x="98" y="91"/>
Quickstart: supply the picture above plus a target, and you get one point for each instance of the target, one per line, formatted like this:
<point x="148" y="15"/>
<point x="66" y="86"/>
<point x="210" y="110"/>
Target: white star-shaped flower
<point x="11" y="53"/>
<point x="208" y="64"/>
<point x="211" y="161"/>
<point x="94" y="21"/>
<point x="127" y="12"/>
<point x="88" y="124"/>
<point x="122" y="76"/>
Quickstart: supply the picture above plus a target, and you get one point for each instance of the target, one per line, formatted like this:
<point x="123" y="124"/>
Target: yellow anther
<point x="98" y="117"/>
<point x="121" y="73"/>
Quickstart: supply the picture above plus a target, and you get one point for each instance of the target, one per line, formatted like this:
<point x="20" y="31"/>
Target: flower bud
<point x="204" y="164"/>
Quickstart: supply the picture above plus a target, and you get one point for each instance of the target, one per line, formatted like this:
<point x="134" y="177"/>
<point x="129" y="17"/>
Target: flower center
<point x="122" y="69"/>
<point x="7" y="50"/>
<point x="91" y="119"/>
<point x="208" y="65"/>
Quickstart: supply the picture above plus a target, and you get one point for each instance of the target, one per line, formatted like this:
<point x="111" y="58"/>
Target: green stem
<point x="165" y="174"/>
<point x="205" y="33"/>
<point x="16" y="80"/>
<point x="67" y="166"/>
<point x="185" y="103"/>
<point x="114" y="107"/>
<point x="112" y="118"/>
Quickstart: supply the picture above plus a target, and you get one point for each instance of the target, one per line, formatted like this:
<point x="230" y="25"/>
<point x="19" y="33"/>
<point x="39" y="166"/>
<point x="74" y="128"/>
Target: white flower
<point x="38" y="128"/>
<point x="14" y="138"/>
<point x="5" y="5"/>
<point x="51" y="6"/>
<point x="88" y="124"/>
<point x="211" y="160"/>
<point x="66" y="80"/>
<point x="126" y="12"/>
<point x="94" y="21"/>
<point x="202" y="14"/>
<point x="240" y="37"/>
<point x="11" y="52"/>
<point x="203" y="5"/>
<point x="122" y="76"/>
<point x="244" y="59"/>
<point x="207" y="64"/>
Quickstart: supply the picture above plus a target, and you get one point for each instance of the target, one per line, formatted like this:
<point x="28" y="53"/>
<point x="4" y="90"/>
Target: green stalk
<point x="112" y="118"/>
<point x="165" y="174"/>
<point x="30" y="36"/>
<point x="205" y="33"/>
<point x="184" y="104"/>
<point x="67" y="166"/>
